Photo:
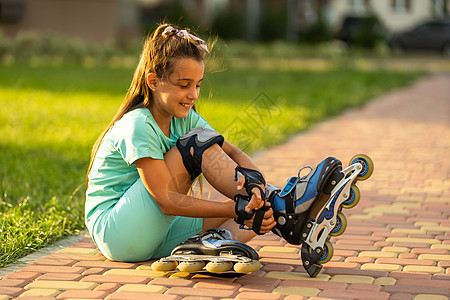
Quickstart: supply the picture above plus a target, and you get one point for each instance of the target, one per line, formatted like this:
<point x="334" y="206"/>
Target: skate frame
<point x="327" y="217"/>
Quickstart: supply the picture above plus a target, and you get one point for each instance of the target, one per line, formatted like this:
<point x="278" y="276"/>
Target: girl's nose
<point x="193" y="93"/>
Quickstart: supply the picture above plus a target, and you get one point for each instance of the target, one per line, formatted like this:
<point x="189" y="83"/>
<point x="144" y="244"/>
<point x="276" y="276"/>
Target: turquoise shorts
<point x="135" y="229"/>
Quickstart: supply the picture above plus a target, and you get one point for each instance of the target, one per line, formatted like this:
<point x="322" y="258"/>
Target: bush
<point x="316" y="33"/>
<point x="229" y="24"/>
<point x="273" y="24"/>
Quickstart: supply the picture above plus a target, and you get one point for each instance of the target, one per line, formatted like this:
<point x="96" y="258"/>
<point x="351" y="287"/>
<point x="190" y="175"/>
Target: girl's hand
<point x="267" y="224"/>
<point x="256" y="201"/>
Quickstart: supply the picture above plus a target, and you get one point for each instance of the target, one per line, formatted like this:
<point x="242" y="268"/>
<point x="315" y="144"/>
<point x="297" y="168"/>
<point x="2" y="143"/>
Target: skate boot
<point x="308" y="210"/>
<point x="216" y="250"/>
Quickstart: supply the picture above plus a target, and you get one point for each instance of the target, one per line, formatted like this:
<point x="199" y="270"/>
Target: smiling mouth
<point x="187" y="105"/>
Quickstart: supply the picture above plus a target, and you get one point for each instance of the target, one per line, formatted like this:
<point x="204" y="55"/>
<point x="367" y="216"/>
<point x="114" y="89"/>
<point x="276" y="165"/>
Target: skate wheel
<point x="247" y="267"/>
<point x="341" y="225"/>
<point x="219" y="266"/>
<point x="353" y="198"/>
<point x="160" y="265"/>
<point x="367" y="164"/>
<point x="191" y="266"/>
<point x="327" y="254"/>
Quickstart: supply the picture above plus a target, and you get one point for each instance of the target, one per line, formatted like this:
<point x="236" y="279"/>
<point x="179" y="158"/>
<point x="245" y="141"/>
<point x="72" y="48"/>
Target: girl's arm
<point x="158" y="181"/>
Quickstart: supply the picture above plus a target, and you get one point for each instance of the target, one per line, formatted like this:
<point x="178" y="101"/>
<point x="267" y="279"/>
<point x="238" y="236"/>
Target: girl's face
<point x="176" y="95"/>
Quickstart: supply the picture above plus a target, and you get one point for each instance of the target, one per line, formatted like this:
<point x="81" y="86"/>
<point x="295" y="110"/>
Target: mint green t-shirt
<point x="135" y="135"/>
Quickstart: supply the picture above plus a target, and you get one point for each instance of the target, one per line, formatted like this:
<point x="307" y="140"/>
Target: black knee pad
<point x="198" y="139"/>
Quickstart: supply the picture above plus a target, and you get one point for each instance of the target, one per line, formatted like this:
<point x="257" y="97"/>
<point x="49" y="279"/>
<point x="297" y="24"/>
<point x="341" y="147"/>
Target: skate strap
<point x="241" y="203"/>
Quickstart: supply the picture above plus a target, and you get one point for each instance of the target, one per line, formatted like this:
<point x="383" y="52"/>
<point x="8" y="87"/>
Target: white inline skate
<point x="213" y="251"/>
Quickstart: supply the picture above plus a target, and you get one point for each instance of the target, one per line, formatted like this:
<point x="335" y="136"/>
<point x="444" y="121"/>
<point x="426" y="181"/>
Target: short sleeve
<point x="197" y="120"/>
<point x="139" y="140"/>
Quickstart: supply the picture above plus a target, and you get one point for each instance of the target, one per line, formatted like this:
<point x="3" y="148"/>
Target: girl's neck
<point x="162" y="119"/>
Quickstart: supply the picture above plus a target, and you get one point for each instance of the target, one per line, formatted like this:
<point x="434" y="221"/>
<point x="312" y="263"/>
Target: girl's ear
<point x="152" y="81"/>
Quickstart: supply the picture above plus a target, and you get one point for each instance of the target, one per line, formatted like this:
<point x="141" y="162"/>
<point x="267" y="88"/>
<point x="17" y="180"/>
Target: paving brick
<point x="364" y="287"/>
<point x="187" y="291"/>
<point x="297" y="297"/>
<point x="13" y="282"/>
<point x="73" y="250"/>
<point x="385" y="281"/>
<point x="24" y="275"/>
<point x="346" y="265"/>
<point x="412" y="240"/>
<point x="266" y="280"/>
<point x="381" y="267"/>
<point x="423" y="269"/>
<point x="122" y="279"/>
<point x="140" y="296"/>
<point x="295" y="276"/>
<point x="77" y="257"/>
<point x="360" y="260"/>
<point x="377" y="254"/>
<point x="11" y="291"/>
<point x="290" y="262"/>
<point x="173" y="282"/>
<point x="256" y="288"/>
<point x="105" y="264"/>
<point x="430" y="296"/>
<point x="441" y="246"/>
<point x="352" y="279"/>
<point x="314" y="284"/>
<point x="405" y="262"/>
<point x="354" y="294"/>
<point x="5" y="297"/>
<point x="55" y="262"/>
<point x="142" y="288"/>
<point x="425" y="283"/>
<point x="217" y="285"/>
<point x="60" y="276"/>
<point x="107" y="287"/>
<point x="77" y="294"/>
<point x="401" y="296"/>
<point x="396" y="249"/>
<point x="259" y="296"/>
<point x="94" y="271"/>
<point x="54" y="269"/>
<point x="435" y="257"/>
<point x="61" y="285"/>
<point x="279" y="249"/>
<point x="41" y="293"/>
<point x="305" y="291"/>
<point x="414" y="290"/>
<point x="133" y="272"/>
<point x="407" y="256"/>
<point x="370" y="273"/>
<point x="419" y="251"/>
<point x="412" y="275"/>
<point x="277" y="267"/>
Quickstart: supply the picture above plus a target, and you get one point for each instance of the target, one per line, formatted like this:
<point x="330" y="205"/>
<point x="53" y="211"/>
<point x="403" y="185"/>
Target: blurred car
<point x="430" y="36"/>
<point x="364" y="31"/>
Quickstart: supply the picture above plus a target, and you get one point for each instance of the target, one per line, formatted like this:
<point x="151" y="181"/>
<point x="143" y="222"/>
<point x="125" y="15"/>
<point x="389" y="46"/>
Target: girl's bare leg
<point x="219" y="170"/>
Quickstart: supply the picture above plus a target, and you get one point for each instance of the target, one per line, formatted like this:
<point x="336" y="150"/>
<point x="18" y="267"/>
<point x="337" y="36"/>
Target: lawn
<point x="51" y="115"/>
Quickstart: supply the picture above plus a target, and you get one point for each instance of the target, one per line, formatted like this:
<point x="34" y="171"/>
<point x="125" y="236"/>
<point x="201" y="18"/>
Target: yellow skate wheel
<point x="160" y="265"/>
<point x="191" y="266"/>
<point x="353" y="197"/>
<point x="367" y="164"/>
<point x="327" y="254"/>
<point x="219" y="266"/>
<point x="341" y="225"/>
<point x="247" y="267"/>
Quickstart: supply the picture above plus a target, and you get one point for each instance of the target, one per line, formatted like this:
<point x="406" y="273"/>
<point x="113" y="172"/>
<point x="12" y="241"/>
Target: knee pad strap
<point x="198" y="139"/>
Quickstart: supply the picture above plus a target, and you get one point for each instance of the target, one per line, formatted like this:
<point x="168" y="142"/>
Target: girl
<point x="144" y="163"/>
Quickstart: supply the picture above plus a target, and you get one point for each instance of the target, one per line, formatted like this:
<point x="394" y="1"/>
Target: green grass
<point x="51" y="115"/>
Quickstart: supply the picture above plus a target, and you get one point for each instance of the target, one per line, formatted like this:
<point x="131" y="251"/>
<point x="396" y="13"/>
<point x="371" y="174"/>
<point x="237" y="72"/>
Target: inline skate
<point x="214" y="251"/>
<point x="308" y="210"/>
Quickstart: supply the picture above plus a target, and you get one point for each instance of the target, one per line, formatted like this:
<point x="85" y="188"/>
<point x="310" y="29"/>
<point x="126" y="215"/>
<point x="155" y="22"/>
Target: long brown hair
<point x="157" y="57"/>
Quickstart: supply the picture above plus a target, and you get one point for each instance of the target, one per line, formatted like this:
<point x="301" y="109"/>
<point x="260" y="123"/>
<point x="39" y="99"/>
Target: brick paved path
<point x="396" y="245"/>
